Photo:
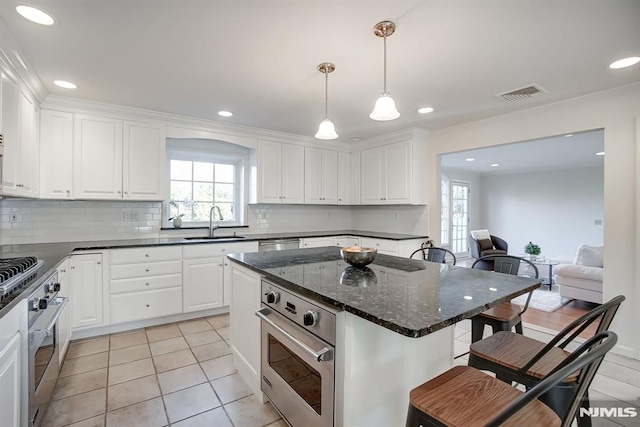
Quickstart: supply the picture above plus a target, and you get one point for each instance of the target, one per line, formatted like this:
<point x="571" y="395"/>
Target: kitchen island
<point x="394" y="321"/>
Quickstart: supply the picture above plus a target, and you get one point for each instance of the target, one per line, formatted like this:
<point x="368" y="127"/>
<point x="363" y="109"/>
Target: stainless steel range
<point x="15" y="273"/>
<point x="298" y="341"/>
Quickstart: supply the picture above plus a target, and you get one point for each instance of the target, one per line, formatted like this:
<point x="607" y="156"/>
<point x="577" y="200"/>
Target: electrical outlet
<point x="14" y="217"/>
<point x="131" y="216"/>
<point x="597" y="222"/>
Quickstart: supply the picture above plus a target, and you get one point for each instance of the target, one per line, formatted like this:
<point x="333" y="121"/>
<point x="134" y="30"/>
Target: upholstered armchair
<point x="481" y="243"/>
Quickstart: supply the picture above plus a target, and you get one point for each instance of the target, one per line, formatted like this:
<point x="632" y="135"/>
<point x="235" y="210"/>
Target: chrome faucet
<point x="212" y="229"/>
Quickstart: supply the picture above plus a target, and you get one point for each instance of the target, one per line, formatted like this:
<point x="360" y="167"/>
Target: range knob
<point x="273" y="297"/>
<point x="56" y="287"/>
<point x="310" y="318"/>
<point x="43" y="303"/>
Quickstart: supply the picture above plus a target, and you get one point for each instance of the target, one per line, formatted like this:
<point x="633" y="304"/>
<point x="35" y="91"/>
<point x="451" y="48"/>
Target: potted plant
<point x="532" y="250"/>
<point x="177" y="220"/>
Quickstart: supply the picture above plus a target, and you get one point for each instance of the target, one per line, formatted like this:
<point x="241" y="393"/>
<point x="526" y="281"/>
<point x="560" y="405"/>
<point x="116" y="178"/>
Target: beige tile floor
<point x="181" y="374"/>
<point x="178" y="374"/>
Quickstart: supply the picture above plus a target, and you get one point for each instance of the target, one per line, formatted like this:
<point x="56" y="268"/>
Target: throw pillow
<point x="485" y="244"/>
<point x="590" y="256"/>
<point x="480" y="234"/>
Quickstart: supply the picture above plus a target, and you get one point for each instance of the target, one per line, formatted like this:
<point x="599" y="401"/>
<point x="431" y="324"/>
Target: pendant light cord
<point x="385" y="60"/>
<point x="326" y="94"/>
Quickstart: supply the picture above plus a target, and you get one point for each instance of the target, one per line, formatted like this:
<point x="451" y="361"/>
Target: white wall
<point x="614" y="111"/>
<point x="555" y="209"/>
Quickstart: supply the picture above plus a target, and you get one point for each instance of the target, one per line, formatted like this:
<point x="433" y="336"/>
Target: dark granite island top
<point x="411" y="297"/>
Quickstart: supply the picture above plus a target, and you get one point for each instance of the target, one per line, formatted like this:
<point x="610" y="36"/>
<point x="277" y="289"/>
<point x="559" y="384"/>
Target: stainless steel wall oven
<point x="297" y="357"/>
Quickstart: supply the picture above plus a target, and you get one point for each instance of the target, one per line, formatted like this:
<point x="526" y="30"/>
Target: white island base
<point x="377" y="368"/>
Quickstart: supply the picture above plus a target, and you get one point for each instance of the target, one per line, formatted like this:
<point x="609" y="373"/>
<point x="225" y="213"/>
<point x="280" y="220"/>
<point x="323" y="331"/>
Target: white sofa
<point x="583" y="278"/>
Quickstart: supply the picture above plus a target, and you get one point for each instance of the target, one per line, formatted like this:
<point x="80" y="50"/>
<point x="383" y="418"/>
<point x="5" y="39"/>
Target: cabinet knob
<point x="148" y="305"/>
<point x="73" y="268"/>
<point x="146" y="269"/>
<point x="284" y="197"/>
<point x="223" y="249"/>
<point x="146" y="283"/>
<point x="68" y="191"/>
<point x="99" y="262"/>
<point x="220" y="265"/>
<point x="119" y="192"/>
<point x="126" y="192"/>
<point x="147" y="255"/>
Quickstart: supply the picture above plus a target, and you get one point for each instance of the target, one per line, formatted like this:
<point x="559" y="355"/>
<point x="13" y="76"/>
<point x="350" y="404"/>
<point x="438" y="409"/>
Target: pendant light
<point x="385" y="108"/>
<point x="326" y="130"/>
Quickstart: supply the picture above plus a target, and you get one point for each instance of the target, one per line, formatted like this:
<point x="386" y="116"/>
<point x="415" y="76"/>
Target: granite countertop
<point x="411" y="297"/>
<point x="54" y="253"/>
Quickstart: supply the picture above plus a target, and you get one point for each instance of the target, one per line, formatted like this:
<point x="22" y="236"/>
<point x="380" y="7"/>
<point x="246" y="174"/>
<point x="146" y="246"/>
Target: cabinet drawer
<point x="346" y="241"/>
<point x="382" y="245"/>
<point x="127" y="271"/>
<point x="145" y="283"/>
<point x="217" y="249"/>
<point x="147" y="254"/>
<point x="144" y="305"/>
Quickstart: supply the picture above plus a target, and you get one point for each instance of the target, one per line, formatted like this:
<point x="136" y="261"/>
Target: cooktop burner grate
<point x="14" y="271"/>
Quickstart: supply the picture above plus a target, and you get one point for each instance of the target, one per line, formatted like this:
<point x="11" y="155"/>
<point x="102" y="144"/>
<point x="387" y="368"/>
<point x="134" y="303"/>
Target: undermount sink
<point x="216" y="238"/>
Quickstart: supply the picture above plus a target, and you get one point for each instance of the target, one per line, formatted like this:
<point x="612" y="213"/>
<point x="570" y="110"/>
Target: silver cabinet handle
<point x="323" y="355"/>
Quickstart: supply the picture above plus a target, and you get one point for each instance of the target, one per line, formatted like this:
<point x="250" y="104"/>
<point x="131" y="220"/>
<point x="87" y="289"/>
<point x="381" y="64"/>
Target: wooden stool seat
<point x="505" y="311"/>
<point x="466" y="397"/>
<point x="514" y="351"/>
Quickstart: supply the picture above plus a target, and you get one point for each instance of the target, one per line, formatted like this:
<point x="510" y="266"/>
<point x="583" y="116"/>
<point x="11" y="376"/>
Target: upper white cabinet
<point x="97" y="157"/>
<point x="393" y="174"/>
<point x="144" y="161"/>
<point x="320" y="176"/>
<point x="56" y="154"/>
<point x="280" y="173"/>
<point x="18" y="121"/>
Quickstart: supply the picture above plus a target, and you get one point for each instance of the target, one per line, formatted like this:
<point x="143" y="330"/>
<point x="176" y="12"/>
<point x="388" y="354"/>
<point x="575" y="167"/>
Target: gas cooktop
<point x="16" y="275"/>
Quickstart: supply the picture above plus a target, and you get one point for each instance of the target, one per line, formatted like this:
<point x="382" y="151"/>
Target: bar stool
<point x="465" y="396"/>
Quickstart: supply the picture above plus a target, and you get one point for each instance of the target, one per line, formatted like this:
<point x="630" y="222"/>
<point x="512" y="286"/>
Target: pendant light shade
<point x="385" y="108"/>
<point x="326" y="130"/>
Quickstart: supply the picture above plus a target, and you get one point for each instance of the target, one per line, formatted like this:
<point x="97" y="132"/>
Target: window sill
<point x="202" y="227"/>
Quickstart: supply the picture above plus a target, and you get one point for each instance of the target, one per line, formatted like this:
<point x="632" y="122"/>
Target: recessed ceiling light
<point x="35" y="15"/>
<point x="469" y="159"/>
<point x="356" y="138"/>
<point x="625" y="62"/>
<point x="65" y="84"/>
<point x="224" y="113"/>
<point x="600" y="153"/>
<point x="495" y="165"/>
<point x="569" y="135"/>
<point x="425" y="110"/>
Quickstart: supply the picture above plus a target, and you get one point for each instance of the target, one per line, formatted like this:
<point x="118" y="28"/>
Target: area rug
<point x="543" y="299"/>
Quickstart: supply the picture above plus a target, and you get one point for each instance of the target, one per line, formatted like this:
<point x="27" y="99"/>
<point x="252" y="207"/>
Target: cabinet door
<point x="292" y="173"/>
<point x="344" y="178"/>
<point x="64" y="322"/>
<point x="329" y="177"/>
<point x="97" y="158"/>
<point x="144" y="161"/>
<point x="10" y="122"/>
<point x="56" y="154"/>
<point x="354" y="159"/>
<point x="28" y="171"/>
<point x="269" y="172"/>
<point x="10" y="382"/>
<point x="86" y="290"/>
<point x="316" y="242"/>
<point x="373" y="172"/>
<point x="398" y="173"/>
<point x="346" y="241"/>
<point x="312" y="175"/>
<point x="202" y="283"/>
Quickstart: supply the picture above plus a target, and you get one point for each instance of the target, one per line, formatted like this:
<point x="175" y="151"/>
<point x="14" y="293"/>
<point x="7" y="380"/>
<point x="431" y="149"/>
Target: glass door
<point x="459" y="218"/>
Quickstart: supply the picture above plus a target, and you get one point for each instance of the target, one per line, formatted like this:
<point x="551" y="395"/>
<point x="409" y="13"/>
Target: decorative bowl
<point x="357" y="256"/>
<point x="358" y="277"/>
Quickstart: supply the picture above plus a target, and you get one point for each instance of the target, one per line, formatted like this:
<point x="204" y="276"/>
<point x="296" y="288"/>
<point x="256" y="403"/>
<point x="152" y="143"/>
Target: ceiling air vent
<point x="522" y="93"/>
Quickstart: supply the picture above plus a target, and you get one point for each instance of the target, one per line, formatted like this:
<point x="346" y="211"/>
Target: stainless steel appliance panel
<point x="278" y="245"/>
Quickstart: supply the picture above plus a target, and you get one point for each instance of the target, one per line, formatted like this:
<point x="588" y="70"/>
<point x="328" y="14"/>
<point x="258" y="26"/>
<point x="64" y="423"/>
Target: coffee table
<point x="542" y="262"/>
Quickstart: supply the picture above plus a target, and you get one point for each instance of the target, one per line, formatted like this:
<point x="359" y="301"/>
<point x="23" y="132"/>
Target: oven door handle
<point x="62" y="303"/>
<point x="321" y="356"/>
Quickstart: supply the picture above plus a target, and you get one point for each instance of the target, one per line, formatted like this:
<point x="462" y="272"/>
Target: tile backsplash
<point x="43" y="221"/>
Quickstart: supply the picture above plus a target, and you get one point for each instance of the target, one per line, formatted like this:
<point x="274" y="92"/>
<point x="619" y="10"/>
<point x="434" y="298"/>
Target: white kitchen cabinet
<point x="56" y="155"/>
<point x="144" y="283"/>
<point x="64" y="323"/>
<point x="86" y="294"/>
<point x="144" y="161"/>
<point x="320" y="176"/>
<point x="344" y="177"/>
<point x="206" y="281"/>
<point x="280" y="173"/>
<point x="394" y="174"/>
<point x="316" y="242"/>
<point x="346" y="241"/>
<point x="354" y="178"/>
<point x="383" y="246"/>
<point x="97" y="157"/>
<point x="10" y="381"/>
<point x="118" y="160"/>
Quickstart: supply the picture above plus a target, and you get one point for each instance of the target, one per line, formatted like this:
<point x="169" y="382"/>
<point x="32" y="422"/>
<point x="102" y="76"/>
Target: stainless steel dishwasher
<point x="278" y="244"/>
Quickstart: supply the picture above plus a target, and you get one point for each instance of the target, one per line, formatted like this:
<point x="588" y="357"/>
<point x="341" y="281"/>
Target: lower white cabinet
<point x="64" y="322"/>
<point x="10" y="386"/>
<point x="316" y="242"/>
<point x="203" y="283"/>
<point x="131" y="306"/>
<point x="346" y="241"/>
<point x="86" y="298"/>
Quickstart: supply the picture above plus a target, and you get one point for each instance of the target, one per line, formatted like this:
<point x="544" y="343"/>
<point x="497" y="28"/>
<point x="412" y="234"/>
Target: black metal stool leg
<point x="477" y="330"/>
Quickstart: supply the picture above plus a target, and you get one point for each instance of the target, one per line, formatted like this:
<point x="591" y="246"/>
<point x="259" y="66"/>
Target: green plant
<point x="176" y="217"/>
<point x="532" y="249"/>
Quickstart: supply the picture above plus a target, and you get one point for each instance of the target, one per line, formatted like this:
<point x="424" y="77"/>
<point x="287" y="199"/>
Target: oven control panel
<point x="319" y="320"/>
